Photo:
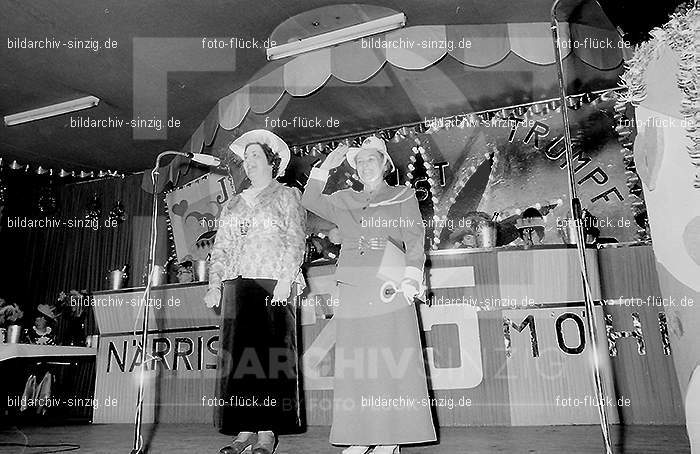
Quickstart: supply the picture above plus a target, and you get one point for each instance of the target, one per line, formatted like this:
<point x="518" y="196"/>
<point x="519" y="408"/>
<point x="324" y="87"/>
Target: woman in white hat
<point x="255" y="262"/>
<point x="379" y="366"/>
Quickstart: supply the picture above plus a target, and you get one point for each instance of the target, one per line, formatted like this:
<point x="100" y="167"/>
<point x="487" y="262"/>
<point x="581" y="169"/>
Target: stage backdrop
<point x="507" y="165"/>
<point x="531" y="170"/>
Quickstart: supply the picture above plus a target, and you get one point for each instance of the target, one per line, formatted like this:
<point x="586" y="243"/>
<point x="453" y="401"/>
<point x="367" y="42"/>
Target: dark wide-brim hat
<point x="275" y="142"/>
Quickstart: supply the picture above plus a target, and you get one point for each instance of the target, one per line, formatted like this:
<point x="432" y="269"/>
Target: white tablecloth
<point x="9" y="351"/>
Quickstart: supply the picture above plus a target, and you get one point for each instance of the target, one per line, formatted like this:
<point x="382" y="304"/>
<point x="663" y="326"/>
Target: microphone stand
<point x="575" y="205"/>
<point x="138" y="439"/>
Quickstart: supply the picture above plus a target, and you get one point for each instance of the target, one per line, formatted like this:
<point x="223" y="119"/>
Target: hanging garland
<point x="421" y="172"/>
<point x="47" y="203"/>
<point x="430" y="126"/>
<point x="3" y="192"/>
<point x="62" y="173"/>
<point x="429" y="166"/>
<point x="634" y="186"/>
<point x="117" y="214"/>
<point x="172" y="252"/>
<point x="94" y="209"/>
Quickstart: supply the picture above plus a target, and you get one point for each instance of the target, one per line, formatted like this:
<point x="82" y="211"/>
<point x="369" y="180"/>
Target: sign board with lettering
<point x="502" y="347"/>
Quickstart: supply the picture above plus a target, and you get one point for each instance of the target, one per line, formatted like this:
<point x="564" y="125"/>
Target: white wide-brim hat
<point x="370" y="143"/>
<point x="271" y="139"/>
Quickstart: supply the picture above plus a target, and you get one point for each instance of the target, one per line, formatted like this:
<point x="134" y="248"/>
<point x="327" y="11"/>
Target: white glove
<point x="335" y="158"/>
<point x="281" y="291"/>
<point x="409" y="288"/>
<point x="212" y="298"/>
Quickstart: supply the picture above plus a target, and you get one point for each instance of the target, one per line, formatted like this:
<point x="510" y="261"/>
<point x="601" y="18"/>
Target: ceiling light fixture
<point x="52" y="110"/>
<point x="336" y="37"/>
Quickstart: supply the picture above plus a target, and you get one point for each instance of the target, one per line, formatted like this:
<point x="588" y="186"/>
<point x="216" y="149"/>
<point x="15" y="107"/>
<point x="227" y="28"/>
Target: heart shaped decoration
<point x="180" y="208"/>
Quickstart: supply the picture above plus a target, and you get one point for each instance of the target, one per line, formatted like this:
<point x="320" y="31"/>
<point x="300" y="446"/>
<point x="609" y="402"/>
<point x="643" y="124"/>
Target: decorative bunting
<point x="82" y="174"/>
<point x="634" y="186"/>
<point x="430" y="126"/>
<point x="3" y="192"/>
<point x="47" y="204"/>
<point x="117" y="213"/>
<point x="94" y="209"/>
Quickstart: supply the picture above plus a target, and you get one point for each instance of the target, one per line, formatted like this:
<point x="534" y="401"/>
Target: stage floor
<point x="196" y="439"/>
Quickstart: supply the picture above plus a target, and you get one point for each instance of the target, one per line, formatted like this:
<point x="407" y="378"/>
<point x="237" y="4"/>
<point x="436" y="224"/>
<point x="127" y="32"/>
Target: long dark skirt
<point x="258" y="376"/>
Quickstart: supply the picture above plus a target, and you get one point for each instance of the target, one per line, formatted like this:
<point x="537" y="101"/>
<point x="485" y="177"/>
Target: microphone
<point x="206" y="159"/>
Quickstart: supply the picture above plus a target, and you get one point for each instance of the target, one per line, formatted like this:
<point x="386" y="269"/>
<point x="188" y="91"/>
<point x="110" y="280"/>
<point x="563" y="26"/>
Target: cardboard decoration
<point x="660" y="82"/>
<point x="193" y="210"/>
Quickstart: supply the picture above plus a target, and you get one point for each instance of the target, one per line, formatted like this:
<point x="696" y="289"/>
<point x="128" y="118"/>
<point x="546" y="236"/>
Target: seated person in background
<point x="42" y="332"/>
<point x="531" y="227"/>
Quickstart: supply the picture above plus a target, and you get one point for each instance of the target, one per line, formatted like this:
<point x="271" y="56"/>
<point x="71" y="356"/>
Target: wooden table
<point x="73" y="370"/>
<point x="10" y="351"/>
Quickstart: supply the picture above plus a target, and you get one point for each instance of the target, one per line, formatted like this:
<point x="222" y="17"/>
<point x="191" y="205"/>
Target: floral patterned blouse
<point x="265" y="239"/>
<point x="45" y="338"/>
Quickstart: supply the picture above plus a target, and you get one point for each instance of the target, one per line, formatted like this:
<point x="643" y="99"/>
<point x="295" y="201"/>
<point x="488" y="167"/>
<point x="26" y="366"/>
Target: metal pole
<point x="575" y="205"/>
<point x="138" y="420"/>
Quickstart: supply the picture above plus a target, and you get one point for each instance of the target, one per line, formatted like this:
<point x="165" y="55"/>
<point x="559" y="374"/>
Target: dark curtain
<point x="41" y="262"/>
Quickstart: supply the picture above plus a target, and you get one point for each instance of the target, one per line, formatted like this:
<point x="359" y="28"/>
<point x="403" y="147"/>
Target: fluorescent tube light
<point x="52" y="110"/>
<point x="335" y="37"/>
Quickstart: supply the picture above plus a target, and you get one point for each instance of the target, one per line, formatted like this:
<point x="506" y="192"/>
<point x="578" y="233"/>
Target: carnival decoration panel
<point x="193" y="210"/>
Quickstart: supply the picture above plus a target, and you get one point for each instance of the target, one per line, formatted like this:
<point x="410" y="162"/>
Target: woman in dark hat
<point x="42" y="331"/>
<point x="255" y="262"/>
